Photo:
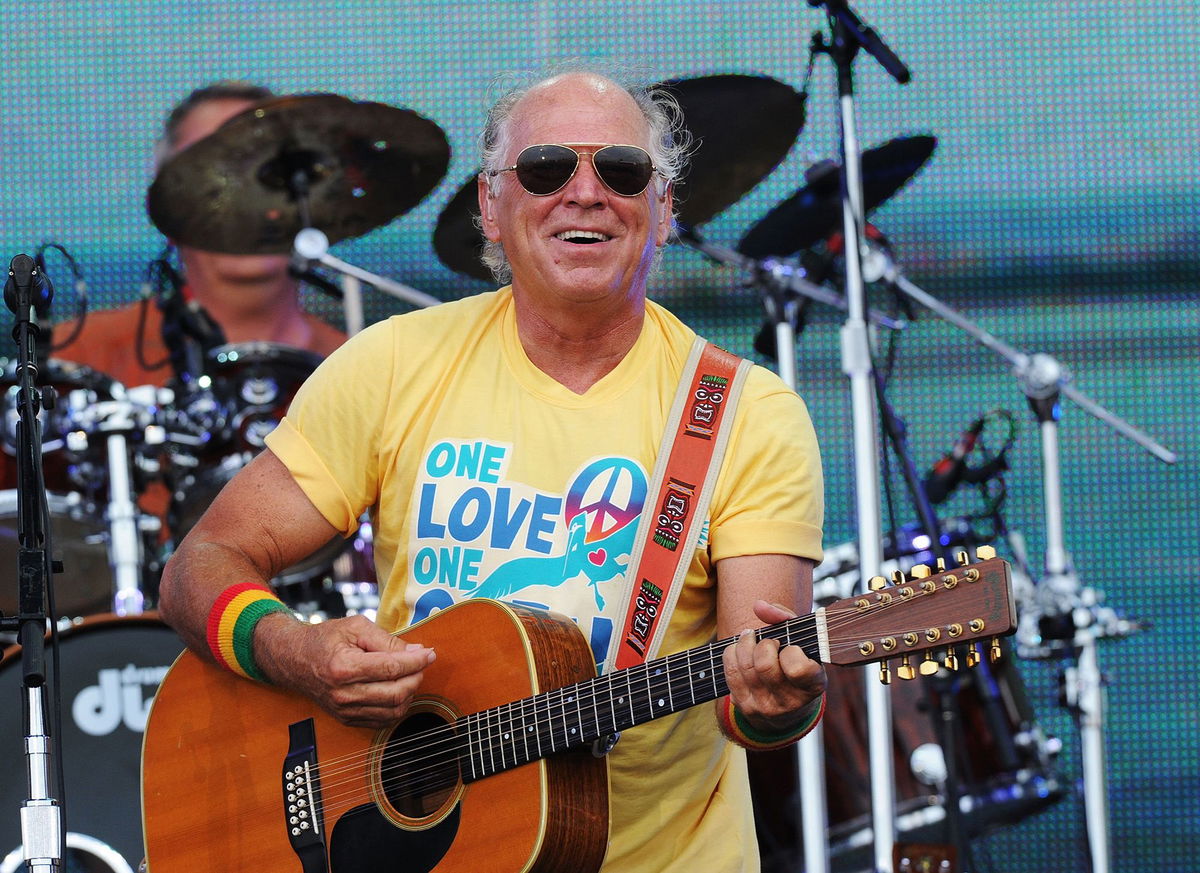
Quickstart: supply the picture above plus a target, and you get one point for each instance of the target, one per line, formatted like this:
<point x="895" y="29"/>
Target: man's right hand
<point x="351" y="667"/>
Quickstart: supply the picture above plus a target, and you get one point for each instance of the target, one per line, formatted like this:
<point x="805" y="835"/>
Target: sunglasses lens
<point x="543" y="169"/>
<point x="624" y="169"/>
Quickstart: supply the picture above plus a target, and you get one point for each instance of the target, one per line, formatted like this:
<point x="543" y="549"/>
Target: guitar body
<point x="216" y="746"/>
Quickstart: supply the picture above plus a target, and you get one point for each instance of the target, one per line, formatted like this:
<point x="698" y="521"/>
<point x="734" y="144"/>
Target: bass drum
<point x="111" y="669"/>
<point x="1004" y="763"/>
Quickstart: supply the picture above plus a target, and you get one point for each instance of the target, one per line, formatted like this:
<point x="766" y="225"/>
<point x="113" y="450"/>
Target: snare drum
<point x="111" y="668"/>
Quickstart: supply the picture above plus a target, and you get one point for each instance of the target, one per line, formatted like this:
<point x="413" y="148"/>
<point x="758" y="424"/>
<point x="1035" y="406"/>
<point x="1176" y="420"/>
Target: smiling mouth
<point x="582" y="237"/>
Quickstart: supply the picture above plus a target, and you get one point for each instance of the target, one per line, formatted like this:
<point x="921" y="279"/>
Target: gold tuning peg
<point x="885" y="673"/>
<point x="962" y="557"/>
<point x="905" y="670"/>
<point x="941" y="565"/>
<point x="973" y="654"/>
<point x="920" y="571"/>
<point x="877" y="583"/>
<point x="950" y="660"/>
<point x="994" y="650"/>
<point x="928" y="665"/>
<point x="898" y="577"/>
<point x="984" y="553"/>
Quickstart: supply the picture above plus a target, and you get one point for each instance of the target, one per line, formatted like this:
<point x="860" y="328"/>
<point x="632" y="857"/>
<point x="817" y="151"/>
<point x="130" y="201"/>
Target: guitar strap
<point x="685" y="474"/>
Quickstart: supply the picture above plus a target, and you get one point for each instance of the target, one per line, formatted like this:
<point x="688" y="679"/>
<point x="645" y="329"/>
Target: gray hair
<point x="669" y="141"/>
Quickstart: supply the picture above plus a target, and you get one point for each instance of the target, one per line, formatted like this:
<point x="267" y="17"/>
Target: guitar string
<point x="835" y="617"/>
<point x="404" y="749"/>
<point x="399" y="755"/>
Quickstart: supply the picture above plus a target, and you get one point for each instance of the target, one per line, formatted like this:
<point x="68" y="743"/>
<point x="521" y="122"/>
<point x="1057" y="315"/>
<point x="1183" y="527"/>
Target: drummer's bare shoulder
<point x="108" y="342"/>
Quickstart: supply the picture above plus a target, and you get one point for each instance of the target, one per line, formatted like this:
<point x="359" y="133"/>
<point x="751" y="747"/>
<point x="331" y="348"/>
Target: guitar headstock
<point x="937" y="613"/>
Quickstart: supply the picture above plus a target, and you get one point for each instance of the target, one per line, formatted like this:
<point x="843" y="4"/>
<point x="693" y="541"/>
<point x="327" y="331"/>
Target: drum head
<point x="111" y="668"/>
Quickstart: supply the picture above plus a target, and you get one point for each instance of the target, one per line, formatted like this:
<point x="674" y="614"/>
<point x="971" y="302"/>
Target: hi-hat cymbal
<point x="815" y="210"/>
<point x="742" y="127"/>
<point x="360" y="165"/>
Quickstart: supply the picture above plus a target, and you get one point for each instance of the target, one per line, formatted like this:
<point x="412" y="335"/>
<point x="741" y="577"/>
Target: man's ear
<point x="486" y="214"/>
<point x="666" y="220"/>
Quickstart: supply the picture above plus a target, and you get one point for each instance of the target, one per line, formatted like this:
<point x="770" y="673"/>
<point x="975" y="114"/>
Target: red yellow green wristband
<point x="231" y="623"/>
<point x="735" y="726"/>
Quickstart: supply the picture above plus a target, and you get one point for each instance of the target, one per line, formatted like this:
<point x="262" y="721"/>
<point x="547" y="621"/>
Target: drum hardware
<point x="1063" y="618"/>
<point x="128" y="424"/>
<point x="216" y="426"/>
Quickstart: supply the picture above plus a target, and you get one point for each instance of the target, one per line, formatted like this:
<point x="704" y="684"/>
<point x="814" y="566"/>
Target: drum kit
<point x="152" y="459"/>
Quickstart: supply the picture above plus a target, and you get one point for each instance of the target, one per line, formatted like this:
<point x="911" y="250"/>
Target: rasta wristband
<point x="735" y="726"/>
<point x="231" y="625"/>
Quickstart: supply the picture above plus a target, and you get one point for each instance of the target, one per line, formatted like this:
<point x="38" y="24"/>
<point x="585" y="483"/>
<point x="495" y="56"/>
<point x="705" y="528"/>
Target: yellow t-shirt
<point x="486" y="478"/>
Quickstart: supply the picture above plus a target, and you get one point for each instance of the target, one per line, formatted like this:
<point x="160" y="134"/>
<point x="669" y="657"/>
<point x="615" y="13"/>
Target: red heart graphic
<point x="597" y="557"/>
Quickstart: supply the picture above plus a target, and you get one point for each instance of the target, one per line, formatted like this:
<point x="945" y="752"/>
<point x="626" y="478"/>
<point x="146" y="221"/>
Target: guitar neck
<point x="574" y="716"/>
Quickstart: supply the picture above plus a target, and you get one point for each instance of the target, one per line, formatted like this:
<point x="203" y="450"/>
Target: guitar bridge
<point x="301" y="790"/>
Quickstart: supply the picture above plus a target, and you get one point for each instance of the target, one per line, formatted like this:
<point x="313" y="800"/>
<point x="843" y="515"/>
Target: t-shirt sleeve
<point x="769" y="497"/>
<point x="330" y="438"/>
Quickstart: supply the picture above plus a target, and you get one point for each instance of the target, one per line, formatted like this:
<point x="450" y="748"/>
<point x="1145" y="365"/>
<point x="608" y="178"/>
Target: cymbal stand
<point x="849" y="35"/>
<point x="311" y="246"/>
<point x="41" y="814"/>
<point x="1062" y="608"/>
<point x="133" y="414"/>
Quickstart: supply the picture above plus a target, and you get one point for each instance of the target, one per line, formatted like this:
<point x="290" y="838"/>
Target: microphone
<point x="944" y="476"/>
<point x="27" y="286"/>
<point x="185" y="320"/>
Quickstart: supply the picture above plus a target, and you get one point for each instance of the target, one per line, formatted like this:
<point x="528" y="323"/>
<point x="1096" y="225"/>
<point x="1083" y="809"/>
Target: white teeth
<point x="581" y="235"/>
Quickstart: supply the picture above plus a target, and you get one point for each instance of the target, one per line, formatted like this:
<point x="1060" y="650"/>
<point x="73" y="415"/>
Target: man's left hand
<point x="771" y="687"/>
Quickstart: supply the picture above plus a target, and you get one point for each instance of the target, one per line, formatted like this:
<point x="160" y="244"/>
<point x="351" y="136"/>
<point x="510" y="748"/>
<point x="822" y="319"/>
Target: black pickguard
<point x="363" y="841"/>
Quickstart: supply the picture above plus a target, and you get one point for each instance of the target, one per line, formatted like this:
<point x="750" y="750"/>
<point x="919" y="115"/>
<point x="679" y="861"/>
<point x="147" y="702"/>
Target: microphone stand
<point x="41" y="814"/>
<point x="1062" y="608"/>
<point x="850" y="34"/>
<point x="781" y="287"/>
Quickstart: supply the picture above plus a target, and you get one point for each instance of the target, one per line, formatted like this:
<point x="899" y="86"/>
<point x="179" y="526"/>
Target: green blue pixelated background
<point x="1059" y="212"/>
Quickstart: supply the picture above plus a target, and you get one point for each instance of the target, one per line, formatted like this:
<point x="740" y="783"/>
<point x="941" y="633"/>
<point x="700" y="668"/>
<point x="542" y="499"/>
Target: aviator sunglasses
<point x="547" y="168"/>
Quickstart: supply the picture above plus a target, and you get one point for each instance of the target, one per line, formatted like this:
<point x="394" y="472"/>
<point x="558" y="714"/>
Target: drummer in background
<point x="249" y="297"/>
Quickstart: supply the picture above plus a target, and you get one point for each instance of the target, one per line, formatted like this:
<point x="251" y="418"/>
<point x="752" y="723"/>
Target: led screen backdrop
<point x="1058" y="211"/>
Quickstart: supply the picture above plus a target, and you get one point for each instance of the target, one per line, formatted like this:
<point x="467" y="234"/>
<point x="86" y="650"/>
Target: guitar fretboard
<point x="516" y="733"/>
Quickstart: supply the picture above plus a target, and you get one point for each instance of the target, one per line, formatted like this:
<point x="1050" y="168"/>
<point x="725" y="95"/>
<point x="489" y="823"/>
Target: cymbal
<point x="742" y="127"/>
<point x="457" y="240"/>
<point x="235" y="191"/>
<point x="815" y="210"/>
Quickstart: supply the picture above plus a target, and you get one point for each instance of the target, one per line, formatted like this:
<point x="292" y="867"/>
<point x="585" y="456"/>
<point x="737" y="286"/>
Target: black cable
<point x="78" y="284"/>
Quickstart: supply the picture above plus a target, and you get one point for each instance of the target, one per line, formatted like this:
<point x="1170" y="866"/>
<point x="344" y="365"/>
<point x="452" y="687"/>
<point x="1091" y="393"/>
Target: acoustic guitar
<point x="499" y="764"/>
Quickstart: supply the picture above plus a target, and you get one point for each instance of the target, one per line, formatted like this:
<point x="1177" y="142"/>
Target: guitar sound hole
<point x="419" y="769"/>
